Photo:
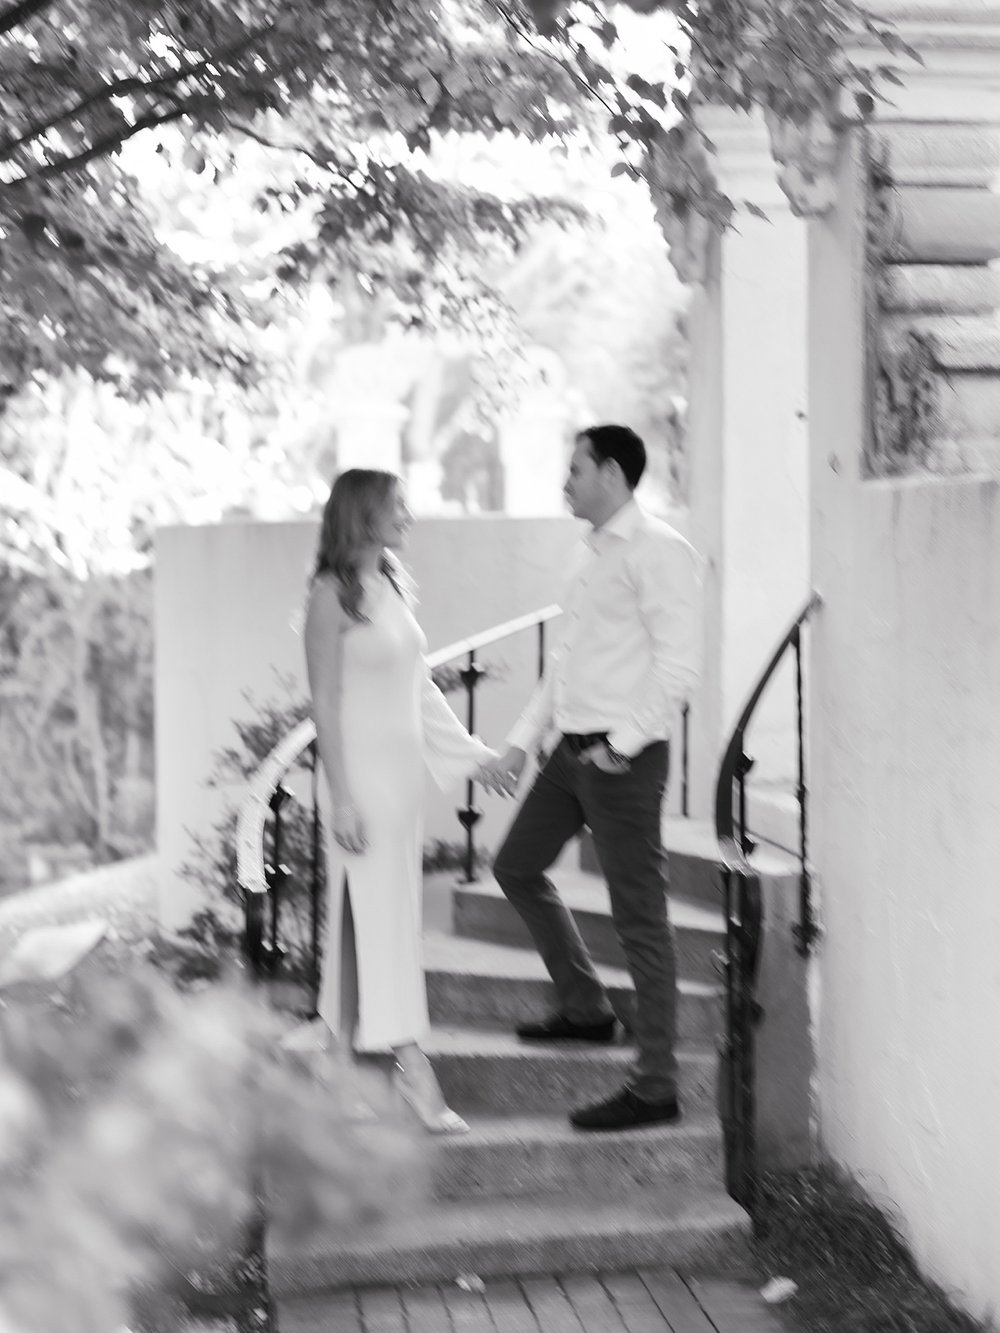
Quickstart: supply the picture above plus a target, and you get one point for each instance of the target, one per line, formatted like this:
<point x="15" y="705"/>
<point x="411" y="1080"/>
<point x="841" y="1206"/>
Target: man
<point x="613" y="690"/>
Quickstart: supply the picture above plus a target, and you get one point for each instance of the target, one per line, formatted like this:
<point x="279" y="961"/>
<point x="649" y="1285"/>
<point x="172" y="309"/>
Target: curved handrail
<point x="262" y="784"/>
<point x="744" y="917"/>
<point x="730" y="849"/>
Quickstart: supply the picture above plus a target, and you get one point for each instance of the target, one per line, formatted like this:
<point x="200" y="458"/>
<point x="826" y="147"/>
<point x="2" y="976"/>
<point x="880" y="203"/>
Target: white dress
<point x="394" y="720"/>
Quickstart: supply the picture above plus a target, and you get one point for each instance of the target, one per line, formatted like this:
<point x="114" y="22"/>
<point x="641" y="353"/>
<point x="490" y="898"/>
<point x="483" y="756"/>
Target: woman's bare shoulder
<point x="323" y="608"/>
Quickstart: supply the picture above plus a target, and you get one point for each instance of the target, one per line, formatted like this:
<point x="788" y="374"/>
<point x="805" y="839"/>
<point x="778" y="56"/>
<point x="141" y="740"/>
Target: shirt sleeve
<point x="537" y="718"/>
<point x="669" y="589"/>
<point x="450" y="753"/>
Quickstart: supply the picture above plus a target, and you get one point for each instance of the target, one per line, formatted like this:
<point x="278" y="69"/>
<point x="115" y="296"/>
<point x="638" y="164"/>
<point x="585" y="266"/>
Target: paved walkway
<point x="651" y="1301"/>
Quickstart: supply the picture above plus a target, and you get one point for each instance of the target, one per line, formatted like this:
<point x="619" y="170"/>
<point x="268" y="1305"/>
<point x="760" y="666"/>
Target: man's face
<point x="585" y="485"/>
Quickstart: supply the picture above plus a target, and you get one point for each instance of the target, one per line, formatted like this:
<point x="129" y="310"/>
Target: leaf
<point x="755" y="211"/>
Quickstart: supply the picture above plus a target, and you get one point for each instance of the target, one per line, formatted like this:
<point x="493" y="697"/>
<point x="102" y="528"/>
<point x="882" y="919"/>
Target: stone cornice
<point x="744" y="160"/>
<point x="959" y="82"/>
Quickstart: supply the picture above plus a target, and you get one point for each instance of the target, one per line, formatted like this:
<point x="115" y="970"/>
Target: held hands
<point x="349" y="828"/>
<point x="502" y="773"/>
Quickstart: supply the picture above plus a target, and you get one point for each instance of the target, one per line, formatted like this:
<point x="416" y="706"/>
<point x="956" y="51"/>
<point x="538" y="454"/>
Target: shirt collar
<point x="622" y="523"/>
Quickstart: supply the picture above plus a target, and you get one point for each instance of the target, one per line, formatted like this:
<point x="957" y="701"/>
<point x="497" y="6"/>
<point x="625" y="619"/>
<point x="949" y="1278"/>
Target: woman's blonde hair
<point x="358" y="499"/>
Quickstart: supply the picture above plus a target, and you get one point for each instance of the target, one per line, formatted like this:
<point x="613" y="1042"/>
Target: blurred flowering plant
<point x="145" y="1131"/>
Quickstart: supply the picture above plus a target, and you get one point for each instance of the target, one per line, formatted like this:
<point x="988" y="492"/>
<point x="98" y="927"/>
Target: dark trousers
<point x="623" y="812"/>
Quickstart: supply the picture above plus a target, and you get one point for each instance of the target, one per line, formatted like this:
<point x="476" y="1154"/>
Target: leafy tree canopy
<point x="353" y="88"/>
<point x="359" y="89"/>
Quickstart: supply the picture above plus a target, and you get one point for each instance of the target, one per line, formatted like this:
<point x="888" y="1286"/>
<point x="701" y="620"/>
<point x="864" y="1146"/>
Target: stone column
<point x="748" y="448"/>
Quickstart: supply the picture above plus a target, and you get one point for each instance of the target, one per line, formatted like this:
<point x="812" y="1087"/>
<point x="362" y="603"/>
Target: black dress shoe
<point x="625" y="1111"/>
<point x="558" y="1028"/>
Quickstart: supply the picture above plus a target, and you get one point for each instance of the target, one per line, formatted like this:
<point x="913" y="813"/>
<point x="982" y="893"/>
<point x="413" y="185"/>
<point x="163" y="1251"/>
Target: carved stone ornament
<point x="806" y="155"/>
<point x="905" y="404"/>
<point x="688" y="239"/>
<point x="687" y="233"/>
<point x="904" y="372"/>
<point x="881" y="214"/>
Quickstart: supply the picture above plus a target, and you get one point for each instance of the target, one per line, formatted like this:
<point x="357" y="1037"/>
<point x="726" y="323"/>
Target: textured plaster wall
<point x="908" y="703"/>
<point x="906" y="799"/>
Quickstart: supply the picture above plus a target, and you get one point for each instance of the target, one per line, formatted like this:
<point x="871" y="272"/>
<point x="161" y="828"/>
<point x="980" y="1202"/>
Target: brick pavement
<point x="647" y="1301"/>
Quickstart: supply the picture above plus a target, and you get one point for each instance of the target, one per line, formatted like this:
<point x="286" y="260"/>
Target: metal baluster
<point x="747" y="843"/>
<point x="684" y="760"/>
<point x="806" y="931"/>
<point x="738" y="1035"/>
<point x="254" y="932"/>
<point x="277" y="876"/>
<point x="732" y="1137"/>
<point x="314" y="884"/>
<point x="541" y="649"/>
<point x="470" y="815"/>
<point x="746" y="1088"/>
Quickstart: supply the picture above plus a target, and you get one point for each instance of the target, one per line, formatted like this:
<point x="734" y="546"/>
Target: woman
<point x="379" y="718"/>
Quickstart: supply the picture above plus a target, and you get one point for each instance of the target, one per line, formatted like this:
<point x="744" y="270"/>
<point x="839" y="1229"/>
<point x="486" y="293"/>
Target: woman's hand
<point x="500" y="773"/>
<point x="349" y="828"/>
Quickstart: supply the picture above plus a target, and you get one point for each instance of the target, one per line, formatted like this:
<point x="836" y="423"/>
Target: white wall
<point x="908" y="707"/>
<point x="749" y="454"/>
<point x="226" y="597"/>
<point x="905" y="730"/>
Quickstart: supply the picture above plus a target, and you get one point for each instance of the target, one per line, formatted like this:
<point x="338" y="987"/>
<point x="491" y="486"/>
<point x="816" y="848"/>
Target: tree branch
<point x="509" y="18"/>
<point x="64" y="165"/>
<point x="328" y="163"/>
<point x="20" y="13"/>
<point x="133" y="84"/>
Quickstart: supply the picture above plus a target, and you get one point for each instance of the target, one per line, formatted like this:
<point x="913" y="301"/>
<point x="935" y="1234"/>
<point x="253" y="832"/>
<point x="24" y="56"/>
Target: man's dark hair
<point x="621" y="444"/>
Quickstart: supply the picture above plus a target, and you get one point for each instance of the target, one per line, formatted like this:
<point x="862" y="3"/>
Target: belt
<point x="578" y="743"/>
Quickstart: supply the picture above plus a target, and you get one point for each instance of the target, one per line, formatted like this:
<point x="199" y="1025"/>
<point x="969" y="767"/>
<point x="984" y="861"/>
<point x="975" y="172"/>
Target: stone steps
<point x="939" y="233"/>
<point x="482" y="912"/>
<point x="695" y="1227"/>
<point x="494" y="1072"/>
<point x="524" y="1193"/>
<point x="495" y="986"/>
<point x="526" y="1156"/>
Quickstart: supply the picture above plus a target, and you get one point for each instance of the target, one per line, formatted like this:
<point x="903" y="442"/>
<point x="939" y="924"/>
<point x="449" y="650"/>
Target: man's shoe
<point x="625" y="1111"/>
<point x="558" y="1028"/>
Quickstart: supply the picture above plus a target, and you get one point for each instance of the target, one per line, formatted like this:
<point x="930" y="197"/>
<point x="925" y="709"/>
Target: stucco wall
<point x="905" y="725"/>
<point x="907" y="701"/>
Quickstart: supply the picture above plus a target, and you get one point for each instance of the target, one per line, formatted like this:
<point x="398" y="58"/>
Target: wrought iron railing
<point x="740" y="963"/>
<point x="262" y="873"/>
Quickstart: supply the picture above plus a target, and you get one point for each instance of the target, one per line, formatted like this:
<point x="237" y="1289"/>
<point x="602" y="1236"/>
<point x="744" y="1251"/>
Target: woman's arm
<point x="326" y="623"/>
<point x="449" y="751"/>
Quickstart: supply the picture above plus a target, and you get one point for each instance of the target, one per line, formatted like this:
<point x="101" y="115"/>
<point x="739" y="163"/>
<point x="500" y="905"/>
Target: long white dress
<point x="394" y="720"/>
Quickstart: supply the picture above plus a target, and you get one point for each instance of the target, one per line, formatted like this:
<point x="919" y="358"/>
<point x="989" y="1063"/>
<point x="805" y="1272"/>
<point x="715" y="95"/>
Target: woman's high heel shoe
<point x="440" y="1119"/>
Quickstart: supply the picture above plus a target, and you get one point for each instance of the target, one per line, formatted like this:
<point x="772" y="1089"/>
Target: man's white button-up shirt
<point x="631" y="646"/>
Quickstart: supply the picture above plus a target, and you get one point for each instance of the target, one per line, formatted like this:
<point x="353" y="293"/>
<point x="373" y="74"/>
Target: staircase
<point x="523" y="1193"/>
